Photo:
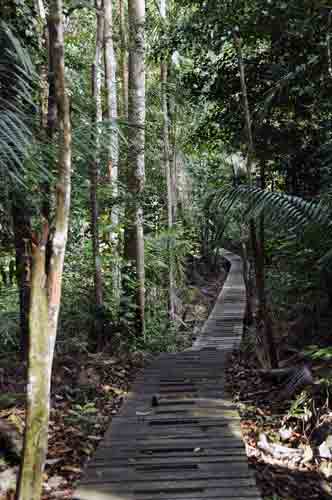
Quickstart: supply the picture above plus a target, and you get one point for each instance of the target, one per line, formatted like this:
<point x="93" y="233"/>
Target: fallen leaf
<point x="308" y="454"/>
<point x="285" y="433"/>
<point x="326" y="469"/>
<point x="116" y="390"/>
<point x="70" y="468"/>
<point x="53" y="461"/>
<point x="55" y="482"/>
<point x="324" y="450"/>
<point x="95" y="438"/>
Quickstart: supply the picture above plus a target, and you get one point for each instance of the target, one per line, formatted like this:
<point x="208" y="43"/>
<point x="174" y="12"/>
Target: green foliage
<point x="84" y="415"/>
<point x="160" y="336"/>
<point x="9" y="331"/>
<point x="285" y="56"/>
<point x="315" y="352"/>
<point x="16" y="75"/>
<point x="302" y="408"/>
<point x="278" y="208"/>
<point x="163" y="246"/>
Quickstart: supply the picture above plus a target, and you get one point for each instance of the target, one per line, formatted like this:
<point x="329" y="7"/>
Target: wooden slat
<point x="188" y="446"/>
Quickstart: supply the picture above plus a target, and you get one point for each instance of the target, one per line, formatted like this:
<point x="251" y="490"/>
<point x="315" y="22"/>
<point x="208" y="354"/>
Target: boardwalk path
<point x="188" y="446"/>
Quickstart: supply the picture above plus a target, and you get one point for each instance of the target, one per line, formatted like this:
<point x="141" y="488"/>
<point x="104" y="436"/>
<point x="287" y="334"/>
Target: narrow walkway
<point x="178" y="436"/>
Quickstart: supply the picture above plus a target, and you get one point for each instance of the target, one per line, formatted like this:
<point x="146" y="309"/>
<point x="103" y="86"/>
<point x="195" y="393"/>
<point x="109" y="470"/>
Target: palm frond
<point x="279" y="209"/>
<point x="16" y="76"/>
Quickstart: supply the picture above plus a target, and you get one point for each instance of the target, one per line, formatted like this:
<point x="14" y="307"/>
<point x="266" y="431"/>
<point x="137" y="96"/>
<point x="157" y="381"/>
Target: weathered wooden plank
<point x="133" y="454"/>
<point x="176" y="461"/>
<point x="195" y="472"/>
<point x="160" y="485"/>
<point x="88" y="493"/>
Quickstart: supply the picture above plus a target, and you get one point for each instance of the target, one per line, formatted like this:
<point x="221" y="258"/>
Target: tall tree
<point x="112" y="103"/>
<point x="256" y="235"/>
<point x="46" y="289"/>
<point x="136" y="154"/>
<point x="113" y="137"/>
<point x="167" y="168"/>
<point x="97" y="72"/>
<point x="123" y="58"/>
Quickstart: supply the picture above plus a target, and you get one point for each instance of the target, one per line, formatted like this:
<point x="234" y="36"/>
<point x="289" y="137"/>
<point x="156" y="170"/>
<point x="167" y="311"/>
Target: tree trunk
<point x="136" y="153"/>
<point x="43" y="70"/>
<point x="123" y="59"/>
<point x="174" y="169"/>
<point x="113" y="139"/>
<point x="257" y="247"/>
<point x="46" y="290"/>
<point x="112" y="106"/>
<point x="167" y="168"/>
<point x="94" y="171"/>
<point x="22" y="237"/>
<point x="249" y="314"/>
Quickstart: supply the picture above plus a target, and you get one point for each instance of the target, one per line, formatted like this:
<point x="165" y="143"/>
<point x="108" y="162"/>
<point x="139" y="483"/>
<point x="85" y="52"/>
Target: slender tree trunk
<point x="258" y="250"/>
<point x="52" y="109"/>
<point x="123" y="59"/>
<point x="46" y="290"/>
<point x="112" y="106"/>
<point x="167" y="168"/>
<point x="40" y="9"/>
<point x="249" y="317"/>
<point x="328" y="44"/>
<point x="43" y="70"/>
<point x="174" y="169"/>
<point x="97" y="334"/>
<point x="136" y="154"/>
<point x="113" y="139"/>
<point x="22" y="237"/>
<point x="52" y="122"/>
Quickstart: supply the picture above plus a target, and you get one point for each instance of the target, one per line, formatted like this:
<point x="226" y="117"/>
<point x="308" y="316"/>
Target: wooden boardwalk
<point x="178" y="435"/>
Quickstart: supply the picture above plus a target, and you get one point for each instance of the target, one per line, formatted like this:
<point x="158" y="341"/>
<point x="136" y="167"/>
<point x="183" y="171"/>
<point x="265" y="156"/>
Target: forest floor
<point x="87" y="389"/>
<point x="288" y="441"/>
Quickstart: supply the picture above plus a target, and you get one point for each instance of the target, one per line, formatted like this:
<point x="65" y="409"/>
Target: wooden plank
<point x="159" y="486"/>
<point x="132" y="453"/>
<point x="160" y="461"/>
<point x="193" y="472"/>
<point x="88" y="493"/>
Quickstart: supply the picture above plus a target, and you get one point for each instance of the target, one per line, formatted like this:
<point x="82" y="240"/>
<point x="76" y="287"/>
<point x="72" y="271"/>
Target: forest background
<point x="173" y="129"/>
